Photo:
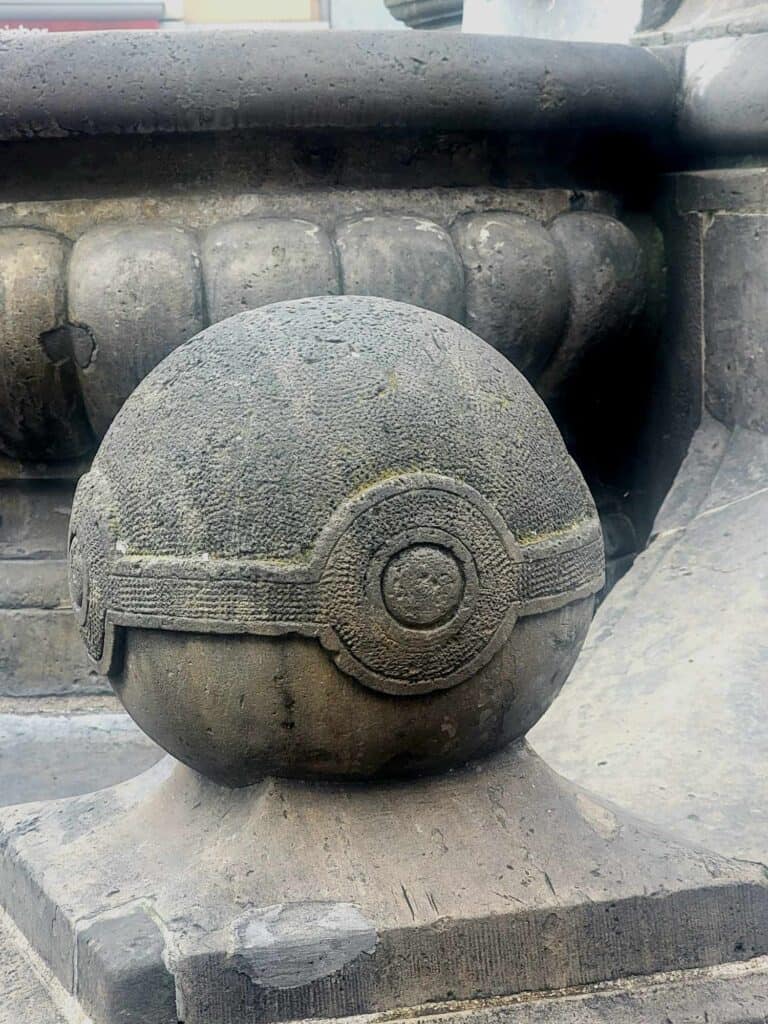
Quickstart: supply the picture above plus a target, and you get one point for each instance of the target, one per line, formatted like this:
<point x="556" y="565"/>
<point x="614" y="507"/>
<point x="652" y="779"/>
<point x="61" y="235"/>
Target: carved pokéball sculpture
<point x="335" y="537"/>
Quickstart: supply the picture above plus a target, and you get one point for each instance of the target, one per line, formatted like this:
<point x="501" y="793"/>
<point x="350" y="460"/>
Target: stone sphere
<point x="334" y="537"/>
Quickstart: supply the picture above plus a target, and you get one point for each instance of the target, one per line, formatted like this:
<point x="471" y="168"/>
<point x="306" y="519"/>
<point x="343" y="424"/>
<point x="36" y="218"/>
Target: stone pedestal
<point x="289" y="900"/>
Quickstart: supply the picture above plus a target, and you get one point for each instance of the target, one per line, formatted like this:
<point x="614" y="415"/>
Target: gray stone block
<point x="721" y="97"/>
<point x="41" y="653"/>
<point x="121" y="975"/>
<point x="33" y="583"/>
<point x="251" y="263"/>
<point x="135" y="293"/>
<point x="34" y="518"/>
<point x="41" y="414"/>
<point x="516" y="285"/>
<point x="736" y="319"/>
<point x="408" y="259"/>
<point x="213" y="81"/>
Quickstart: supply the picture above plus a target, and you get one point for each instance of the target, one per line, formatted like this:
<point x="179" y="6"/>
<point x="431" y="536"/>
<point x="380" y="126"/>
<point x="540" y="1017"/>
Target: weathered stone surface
<point x="408" y="259"/>
<point x="41" y="653"/>
<point x="35" y="518"/>
<point x="31" y="583"/>
<point x="288" y="512"/>
<point x="735" y="316"/>
<point x="637" y="902"/>
<point x="323" y="204"/>
<point x="665" y="711"/>
<point x="516" y="284"/>
<point x="251" y="263"/>
<point x="54" y="747"/>
<point x="121" y="974"/>
<point x="211" y="81"/>
<point x="25" y="995"/>
<point x="721" y="109"/>
<point x="607" y="288"/>
<point x="135" y="294"/>
<point x="41" y="414"/>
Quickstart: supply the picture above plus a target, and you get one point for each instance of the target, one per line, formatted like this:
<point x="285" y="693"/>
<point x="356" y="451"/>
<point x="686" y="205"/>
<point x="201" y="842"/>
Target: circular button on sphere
<point x="422" y="586"/>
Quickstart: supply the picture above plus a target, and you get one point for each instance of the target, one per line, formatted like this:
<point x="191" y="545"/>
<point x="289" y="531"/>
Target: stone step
<point x="51" y="748"/>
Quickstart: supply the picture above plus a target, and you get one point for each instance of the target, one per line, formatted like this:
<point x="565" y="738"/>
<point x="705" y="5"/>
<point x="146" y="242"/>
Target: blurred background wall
<point x="63" y="15"/>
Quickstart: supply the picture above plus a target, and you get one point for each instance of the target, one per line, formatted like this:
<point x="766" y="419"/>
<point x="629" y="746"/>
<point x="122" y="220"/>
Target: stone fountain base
<point x="484" y="892"/>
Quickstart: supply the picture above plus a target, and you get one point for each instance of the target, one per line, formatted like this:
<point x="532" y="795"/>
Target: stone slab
<point x="665" y="711"/>
<point x="244" y="884"/>
<point x="733" y="994"/>
<point x="55" y="748"/>
<point x="735" y="314"/>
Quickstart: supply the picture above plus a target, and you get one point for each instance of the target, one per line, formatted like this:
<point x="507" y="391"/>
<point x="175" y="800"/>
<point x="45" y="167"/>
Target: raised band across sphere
<point x="334" y="537"/>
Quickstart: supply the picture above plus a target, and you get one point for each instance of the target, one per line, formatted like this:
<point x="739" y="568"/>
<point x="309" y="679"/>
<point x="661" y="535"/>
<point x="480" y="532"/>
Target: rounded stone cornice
<point x="427" y="13"/>
<point x="97" y="83"/>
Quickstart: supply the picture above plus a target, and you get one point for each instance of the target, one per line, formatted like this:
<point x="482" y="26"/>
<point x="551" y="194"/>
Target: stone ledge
<point x="113" y="82"/>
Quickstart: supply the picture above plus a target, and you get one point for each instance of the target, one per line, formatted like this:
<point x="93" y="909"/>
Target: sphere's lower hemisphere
<point x="237" y="708"/>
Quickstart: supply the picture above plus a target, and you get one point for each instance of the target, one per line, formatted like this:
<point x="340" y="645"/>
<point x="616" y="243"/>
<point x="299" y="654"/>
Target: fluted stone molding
<point x="83" y="85"/>
<point x="427" y="13"/>
<point x="131" y="293"/>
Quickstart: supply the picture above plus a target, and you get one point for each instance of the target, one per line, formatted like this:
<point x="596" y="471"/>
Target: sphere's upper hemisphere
<point x="347" y="467"/>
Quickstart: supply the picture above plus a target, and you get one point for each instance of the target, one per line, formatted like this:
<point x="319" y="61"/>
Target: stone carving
<point x="338" y="495"/>
<point x="354" y="461"/>
<point x="38" y="388"/>
<point x="134" y="292"/>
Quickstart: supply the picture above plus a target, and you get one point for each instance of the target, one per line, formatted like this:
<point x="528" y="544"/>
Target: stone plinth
<point x="288" y="901"/>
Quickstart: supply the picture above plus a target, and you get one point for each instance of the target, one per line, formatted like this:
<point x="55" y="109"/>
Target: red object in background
<point x="79" y="26"/>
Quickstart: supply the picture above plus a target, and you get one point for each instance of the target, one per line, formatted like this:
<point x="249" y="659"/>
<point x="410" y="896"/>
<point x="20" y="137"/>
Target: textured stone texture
<point x="41" y="652"/>
<point x="665" y="710"/>
<point x="624" y="901"/>
<point x="251" y="263"/>
<point x="213" y="81"/>
<point x="408" y="259"/>
<point x="607" y="289"/>
<point x="41" y="414"/>
<point x="135" y="294"/>
<point x="735" y="316"/>
<point x="346" y="433"/>
<point x="121" y="974"/>
<point x="516" y="285"/>
<point x="731" y="994"/>
<point x="25" y="996"/>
